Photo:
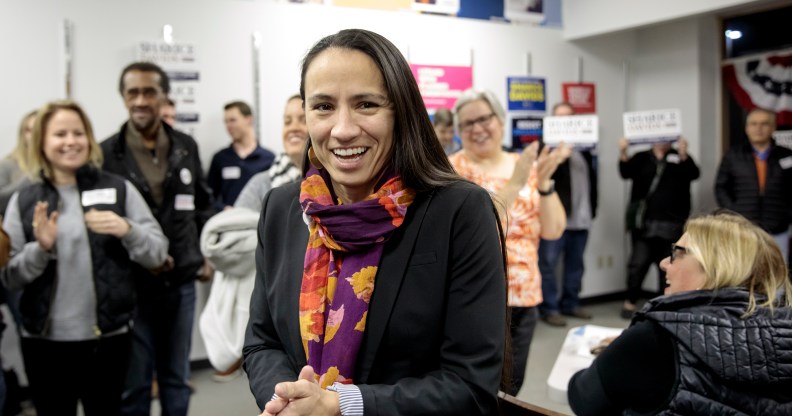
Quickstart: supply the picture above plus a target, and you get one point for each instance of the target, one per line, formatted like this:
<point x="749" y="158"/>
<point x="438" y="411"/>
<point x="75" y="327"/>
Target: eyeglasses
<point x="482" y="121"/>
<point x="674" y="249"/>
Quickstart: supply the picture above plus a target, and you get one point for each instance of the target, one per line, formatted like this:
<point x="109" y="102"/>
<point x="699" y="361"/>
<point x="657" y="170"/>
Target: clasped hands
<point x="45" y="227"/>
<point x="303" y="397"/>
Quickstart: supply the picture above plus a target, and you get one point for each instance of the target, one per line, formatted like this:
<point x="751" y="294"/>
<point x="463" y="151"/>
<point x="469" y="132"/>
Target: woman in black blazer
<point x="380" y="282"/>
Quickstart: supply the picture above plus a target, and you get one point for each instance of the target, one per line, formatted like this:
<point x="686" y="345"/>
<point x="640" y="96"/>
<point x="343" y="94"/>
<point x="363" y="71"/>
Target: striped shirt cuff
<point x="350" y="399"/>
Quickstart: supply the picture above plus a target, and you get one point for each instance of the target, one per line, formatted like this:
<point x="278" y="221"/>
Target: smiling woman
<point x="350" y="120"/>
<point x="369" y="308"/>
<point x="76" y="235"/>
<point x="523" y="187"/>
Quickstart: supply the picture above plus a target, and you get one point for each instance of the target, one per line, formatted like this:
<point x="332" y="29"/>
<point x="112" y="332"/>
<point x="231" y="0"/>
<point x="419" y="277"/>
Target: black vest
<point x="727" y="365"/>
<point x="112" y="268"/>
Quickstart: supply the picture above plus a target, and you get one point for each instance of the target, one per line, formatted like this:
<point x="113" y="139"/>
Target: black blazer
<point x="435" y="328"/>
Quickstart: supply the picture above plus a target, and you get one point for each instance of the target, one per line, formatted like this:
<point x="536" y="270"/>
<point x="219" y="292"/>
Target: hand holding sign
<point x="682" y="148"/>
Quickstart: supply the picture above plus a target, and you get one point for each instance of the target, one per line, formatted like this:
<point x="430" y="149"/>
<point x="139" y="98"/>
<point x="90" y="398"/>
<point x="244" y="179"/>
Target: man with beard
<point x="165" y="167"/>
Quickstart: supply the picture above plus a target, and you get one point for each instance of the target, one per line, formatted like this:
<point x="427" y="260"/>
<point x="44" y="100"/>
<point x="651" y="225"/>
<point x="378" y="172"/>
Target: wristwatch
<point x="548" y="191"/>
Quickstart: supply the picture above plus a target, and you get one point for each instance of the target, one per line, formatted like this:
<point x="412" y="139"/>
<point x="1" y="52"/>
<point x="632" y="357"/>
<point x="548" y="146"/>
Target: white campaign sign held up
<point x="653" y="126"/>
<point x="576" y="131"/>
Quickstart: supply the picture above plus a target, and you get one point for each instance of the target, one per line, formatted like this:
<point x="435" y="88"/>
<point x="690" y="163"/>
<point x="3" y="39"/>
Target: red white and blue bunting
<point x="764" y="82"/>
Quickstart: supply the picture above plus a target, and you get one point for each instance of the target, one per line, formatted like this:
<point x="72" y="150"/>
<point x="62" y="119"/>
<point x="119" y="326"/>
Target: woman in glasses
<point x="719" y="342"/>
<point x="528" y="206"/>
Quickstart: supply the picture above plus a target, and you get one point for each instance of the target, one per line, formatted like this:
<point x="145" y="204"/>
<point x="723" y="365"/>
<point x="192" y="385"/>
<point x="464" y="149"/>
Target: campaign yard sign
<point x="525" y="130"/>
<point x="582" y="96"/>
<point x="654" y="126"/>
<point x="526" y="94"/>
<point x="580" y="131"/>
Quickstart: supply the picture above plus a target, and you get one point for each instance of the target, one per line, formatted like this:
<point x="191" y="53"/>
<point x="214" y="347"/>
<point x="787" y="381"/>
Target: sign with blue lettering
<point x="526" y="94"/>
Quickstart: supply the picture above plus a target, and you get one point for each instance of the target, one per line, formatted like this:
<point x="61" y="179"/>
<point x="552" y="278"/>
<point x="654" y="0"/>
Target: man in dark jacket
<point x="576" y="184"/>
<point x="165" y="167"/>
<point x="659" y="206"/>
<point x="755" y="179"/>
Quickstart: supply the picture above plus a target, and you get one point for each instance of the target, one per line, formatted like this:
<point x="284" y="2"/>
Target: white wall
<point x="584" y="18"/>
<point x="106" y="33"/>
<point x="676" y="65"/>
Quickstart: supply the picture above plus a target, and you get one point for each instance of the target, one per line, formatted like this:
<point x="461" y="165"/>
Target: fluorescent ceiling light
<point x="733" y="34"/>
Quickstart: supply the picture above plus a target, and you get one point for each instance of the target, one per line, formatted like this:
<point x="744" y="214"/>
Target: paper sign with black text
<point x="655" y="126"/>
<point x="581" y="132"/>
<point x="783" y="138"/>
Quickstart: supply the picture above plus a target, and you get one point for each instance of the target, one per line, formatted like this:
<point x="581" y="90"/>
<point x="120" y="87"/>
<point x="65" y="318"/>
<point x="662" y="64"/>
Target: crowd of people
<point x="381" y="264"/>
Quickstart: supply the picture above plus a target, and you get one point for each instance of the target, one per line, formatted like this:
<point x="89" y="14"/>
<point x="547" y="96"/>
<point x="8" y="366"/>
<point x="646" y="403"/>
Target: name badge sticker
<point x="99" y="196"/>
<point x="186" y="176"/>
<point x="786" y="162"/>
<point x="232" y="172"/>
<point x="184" y="202"/>
<point x="673" y="158"/>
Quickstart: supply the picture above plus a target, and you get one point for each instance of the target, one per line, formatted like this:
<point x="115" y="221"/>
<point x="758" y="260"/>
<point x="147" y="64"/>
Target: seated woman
<point x="718" y="343"/>
<point x="380" y="284"/>
<point x="76" y="232"/>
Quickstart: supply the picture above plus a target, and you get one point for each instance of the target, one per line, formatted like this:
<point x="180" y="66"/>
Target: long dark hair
<point x="417" y="155"/>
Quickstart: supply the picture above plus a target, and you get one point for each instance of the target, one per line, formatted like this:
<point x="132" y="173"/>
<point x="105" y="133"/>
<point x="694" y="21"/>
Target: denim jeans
<point x="161" y="338"/>
<point x="571" y="244"/>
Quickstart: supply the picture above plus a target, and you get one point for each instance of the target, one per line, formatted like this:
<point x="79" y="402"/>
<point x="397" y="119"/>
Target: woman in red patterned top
<point x="523" y="190"/>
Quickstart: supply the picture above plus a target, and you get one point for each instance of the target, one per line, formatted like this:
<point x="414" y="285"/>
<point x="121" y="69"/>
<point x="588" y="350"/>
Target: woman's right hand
<point x="624" y="144"/>
<point x="522" y="168"/>
<point x="45" y="228"/>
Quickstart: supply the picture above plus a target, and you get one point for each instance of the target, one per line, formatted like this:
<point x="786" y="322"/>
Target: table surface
<point x="574" y="356"/>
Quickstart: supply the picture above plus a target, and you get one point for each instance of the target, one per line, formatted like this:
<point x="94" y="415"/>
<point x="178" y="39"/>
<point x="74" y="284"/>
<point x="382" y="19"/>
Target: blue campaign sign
<point x="526" y="129"/>
<point x="526" y="94"/>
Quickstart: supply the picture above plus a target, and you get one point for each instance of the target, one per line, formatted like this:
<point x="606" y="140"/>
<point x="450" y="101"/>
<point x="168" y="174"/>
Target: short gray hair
<point x="473" y="95"/>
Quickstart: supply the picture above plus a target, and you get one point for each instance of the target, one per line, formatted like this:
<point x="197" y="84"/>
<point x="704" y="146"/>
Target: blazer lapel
<point x="392" y="269"/>
<point x="293" y="281"/>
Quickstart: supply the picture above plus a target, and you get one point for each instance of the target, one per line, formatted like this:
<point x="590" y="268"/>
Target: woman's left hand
<point x="548" y="161"/>
<point x="303" y="397"/>
<point x="106" y="222"/>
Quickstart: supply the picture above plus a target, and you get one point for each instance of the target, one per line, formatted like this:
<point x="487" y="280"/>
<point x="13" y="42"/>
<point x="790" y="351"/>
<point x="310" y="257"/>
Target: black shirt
<point x="637" y="372"/>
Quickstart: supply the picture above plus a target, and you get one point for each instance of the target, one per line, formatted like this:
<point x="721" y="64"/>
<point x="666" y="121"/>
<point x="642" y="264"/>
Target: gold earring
<point x="313" y="159"/>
